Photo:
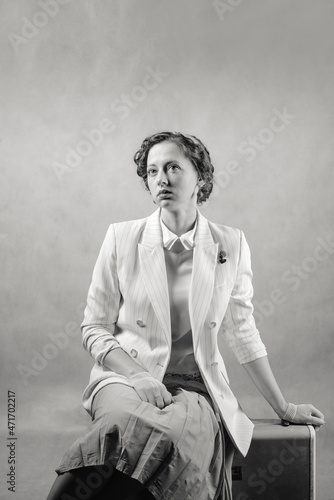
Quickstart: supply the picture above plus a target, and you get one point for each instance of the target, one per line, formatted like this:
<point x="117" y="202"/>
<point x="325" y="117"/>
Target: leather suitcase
<point x="280" y="464"/>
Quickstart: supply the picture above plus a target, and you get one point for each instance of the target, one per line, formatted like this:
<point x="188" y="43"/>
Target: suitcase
<point x="280" y="464"/>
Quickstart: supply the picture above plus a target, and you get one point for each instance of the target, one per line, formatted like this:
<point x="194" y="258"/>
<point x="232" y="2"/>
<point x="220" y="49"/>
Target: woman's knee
<point x="115" y="400"/>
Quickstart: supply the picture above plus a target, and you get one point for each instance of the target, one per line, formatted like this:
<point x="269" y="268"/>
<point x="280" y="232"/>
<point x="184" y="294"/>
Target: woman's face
<point x="172" y="178"/>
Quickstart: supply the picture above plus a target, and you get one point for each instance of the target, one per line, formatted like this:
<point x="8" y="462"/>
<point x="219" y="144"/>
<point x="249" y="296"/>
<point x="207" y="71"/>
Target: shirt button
<point x="213" y="324"/>
<point x="140" y="323"/>
<point x="134" y="353"/>
<point x="222" y="395"/>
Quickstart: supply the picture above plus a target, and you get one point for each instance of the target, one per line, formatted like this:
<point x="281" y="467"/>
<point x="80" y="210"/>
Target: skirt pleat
<point x="176" y="453"/>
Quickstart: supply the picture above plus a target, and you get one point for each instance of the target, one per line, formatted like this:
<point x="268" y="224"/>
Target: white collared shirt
<point x="169" y="238"/>
<point x="179" y="261"/>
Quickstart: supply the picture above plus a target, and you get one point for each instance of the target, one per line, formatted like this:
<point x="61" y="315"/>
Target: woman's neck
<point x="179" y="222"/>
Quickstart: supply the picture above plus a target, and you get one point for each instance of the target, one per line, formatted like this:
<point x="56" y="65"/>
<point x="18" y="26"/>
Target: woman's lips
<point x="164" y="193"/>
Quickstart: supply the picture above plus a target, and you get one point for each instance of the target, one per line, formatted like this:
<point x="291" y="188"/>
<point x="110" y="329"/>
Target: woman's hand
<point x="304" y="414"/>
<point x="151" y="390"/>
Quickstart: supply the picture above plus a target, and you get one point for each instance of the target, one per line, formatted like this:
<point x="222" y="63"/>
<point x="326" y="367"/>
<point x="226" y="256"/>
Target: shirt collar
<point x="169" y="238"/>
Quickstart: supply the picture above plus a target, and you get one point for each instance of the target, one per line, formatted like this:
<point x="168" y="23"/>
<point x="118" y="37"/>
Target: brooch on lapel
<point x="221" y="257"/>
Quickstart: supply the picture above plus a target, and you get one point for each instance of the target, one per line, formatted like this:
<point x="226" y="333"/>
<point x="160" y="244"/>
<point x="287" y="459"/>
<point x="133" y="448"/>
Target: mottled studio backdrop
<point x="82" y="83"/>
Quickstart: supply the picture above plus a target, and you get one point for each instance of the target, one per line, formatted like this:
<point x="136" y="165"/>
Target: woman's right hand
<point x="151" y="390"/>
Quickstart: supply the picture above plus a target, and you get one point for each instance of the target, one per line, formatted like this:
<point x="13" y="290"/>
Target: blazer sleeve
<point x="103" y="302"/>
<point x="239" y="326"/>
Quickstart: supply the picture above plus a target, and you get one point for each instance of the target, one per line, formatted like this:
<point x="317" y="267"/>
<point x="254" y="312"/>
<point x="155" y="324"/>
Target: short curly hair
<point x="192" y="148"/>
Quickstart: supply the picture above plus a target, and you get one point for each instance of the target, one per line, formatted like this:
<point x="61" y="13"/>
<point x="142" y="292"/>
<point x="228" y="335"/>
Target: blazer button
<point x="134" y="353"/>
<point x="212" y="324"/>
<point x="140" y="323"/>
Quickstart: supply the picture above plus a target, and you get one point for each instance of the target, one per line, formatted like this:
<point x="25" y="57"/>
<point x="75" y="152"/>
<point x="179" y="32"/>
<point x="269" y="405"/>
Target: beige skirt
<point x="181" y="452"/>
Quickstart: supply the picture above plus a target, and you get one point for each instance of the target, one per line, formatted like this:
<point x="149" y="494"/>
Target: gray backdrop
<point x="83" y="82"/>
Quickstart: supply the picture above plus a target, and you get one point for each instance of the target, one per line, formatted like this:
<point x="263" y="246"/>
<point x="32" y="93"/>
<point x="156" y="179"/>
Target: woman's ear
<point x="200" y="183"/>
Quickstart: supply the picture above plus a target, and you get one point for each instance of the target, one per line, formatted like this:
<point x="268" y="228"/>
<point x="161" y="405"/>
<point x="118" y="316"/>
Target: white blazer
<point x="128" y="306"/>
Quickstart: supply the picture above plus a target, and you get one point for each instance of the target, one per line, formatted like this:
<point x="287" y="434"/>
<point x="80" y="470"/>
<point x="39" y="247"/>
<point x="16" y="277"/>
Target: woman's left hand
<point x="308" y="414"/>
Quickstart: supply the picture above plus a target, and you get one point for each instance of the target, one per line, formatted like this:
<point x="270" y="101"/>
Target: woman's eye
<point x="173" y="167"/>
<point x="151" y="172"/>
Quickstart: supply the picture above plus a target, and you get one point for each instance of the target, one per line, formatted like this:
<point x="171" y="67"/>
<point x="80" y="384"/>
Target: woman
<point x="165" y="422"/>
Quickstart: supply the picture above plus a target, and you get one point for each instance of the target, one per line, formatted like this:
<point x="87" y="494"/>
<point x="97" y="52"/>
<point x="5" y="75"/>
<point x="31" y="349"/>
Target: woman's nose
<point x="162" y="178"/>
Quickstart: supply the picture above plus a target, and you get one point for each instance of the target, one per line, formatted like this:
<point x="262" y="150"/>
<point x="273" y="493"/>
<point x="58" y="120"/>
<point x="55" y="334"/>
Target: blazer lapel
<point x="203" y="277"/>
<point x="153" y="270"/>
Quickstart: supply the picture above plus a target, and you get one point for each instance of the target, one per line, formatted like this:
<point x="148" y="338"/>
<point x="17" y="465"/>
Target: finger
<point x="316" y="413"/>
<point x="315" y="421"/>
<point x="168" y="398"/>
<point x="152" y="398"/>
<point x="159" y="402"/>
<point x="312" y="410"/>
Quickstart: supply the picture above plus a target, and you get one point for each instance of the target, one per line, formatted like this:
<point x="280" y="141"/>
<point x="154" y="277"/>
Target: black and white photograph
<point x="167" y="249"/>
